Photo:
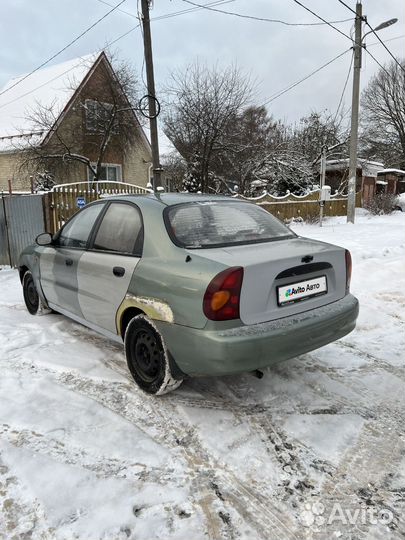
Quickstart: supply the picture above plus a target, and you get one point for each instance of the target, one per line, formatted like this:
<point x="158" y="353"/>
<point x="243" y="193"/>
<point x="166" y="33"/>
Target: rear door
<point x="105" y="270"/>
<point x="59" y="262"/>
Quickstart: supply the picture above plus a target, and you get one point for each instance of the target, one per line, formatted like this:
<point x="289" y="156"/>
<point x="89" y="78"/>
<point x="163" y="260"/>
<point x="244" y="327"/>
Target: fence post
<point x="7" y="230"/>
<point x="46" y="206"/>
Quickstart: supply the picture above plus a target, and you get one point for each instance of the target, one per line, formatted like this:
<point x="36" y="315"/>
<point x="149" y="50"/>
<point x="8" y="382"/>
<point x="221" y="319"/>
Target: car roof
<point x="170" y="199"/>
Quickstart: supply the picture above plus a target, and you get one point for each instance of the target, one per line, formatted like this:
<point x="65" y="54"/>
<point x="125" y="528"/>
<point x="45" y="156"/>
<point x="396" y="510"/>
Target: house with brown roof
<point x="337" y="174"/>
<point x="74" y="120"/>
<point x="391" y="181"/>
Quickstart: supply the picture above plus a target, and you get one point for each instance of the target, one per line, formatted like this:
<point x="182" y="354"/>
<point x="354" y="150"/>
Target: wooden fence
<point x="66" y="199"/>
<point x="307" y="207"/>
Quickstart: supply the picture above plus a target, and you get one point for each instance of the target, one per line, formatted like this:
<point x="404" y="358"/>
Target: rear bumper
<point x="245" y="348"/>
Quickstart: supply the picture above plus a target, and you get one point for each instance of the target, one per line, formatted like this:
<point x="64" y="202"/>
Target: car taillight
<point x="222" y="297"/>
<point x="348" y="269"/>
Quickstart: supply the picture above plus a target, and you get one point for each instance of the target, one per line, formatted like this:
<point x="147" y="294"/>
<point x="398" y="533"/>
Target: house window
<point x="109" y="171"/>
<point x="98" y="116"/>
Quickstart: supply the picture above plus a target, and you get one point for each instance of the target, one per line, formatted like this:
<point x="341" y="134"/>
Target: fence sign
<point x="80" y="202"/>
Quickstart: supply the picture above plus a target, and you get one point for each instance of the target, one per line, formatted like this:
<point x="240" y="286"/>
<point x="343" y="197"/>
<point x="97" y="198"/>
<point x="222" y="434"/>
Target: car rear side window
<point x="121" y="230"/>
<point x="210" y="224"/>
<point x="76" y="232"/>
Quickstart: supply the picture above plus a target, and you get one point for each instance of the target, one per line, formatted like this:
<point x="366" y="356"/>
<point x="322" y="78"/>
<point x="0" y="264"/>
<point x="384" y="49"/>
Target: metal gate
<point x="65" y="199"/>
<point x="21" y="220"/>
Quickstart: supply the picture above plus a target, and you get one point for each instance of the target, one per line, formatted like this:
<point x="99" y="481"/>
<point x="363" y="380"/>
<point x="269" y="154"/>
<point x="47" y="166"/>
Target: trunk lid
<point x="270" y="265"/>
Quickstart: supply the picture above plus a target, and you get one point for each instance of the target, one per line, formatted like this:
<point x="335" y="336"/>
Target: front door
<point x="59" y="262"/>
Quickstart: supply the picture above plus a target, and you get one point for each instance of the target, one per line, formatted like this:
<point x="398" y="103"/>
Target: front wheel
<point x="32" y="300"/>
<point x="148" y="358"/>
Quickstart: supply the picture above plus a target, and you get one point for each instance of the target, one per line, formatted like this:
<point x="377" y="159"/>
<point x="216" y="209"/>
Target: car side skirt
<point x="84" y="322"/>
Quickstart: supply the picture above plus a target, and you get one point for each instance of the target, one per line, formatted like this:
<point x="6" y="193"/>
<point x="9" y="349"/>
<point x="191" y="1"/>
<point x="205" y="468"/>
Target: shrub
<point x="382" y="203"/>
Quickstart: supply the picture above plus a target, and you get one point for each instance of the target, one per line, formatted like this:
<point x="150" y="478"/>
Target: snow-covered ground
<point x="315" y="449"/>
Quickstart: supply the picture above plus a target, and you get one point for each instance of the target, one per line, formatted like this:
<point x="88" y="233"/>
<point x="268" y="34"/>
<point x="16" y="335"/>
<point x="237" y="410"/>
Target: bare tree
<point x="269" y="155"/>
<point x="314" y="131"/>
<point x="202" y="103"/>
<point x="103" y="110"/>
<point x="175" y="169"/>
<point x="244" y="149"/>
<point x="383" y="122"/>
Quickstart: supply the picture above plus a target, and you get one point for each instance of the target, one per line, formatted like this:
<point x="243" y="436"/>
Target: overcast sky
<point x="273" y="54"/>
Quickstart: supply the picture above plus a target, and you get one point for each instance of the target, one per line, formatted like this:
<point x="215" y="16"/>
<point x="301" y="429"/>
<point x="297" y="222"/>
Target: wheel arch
<point x="22" y="270"/>
<point x="128" y="314"/>
<point x="132" y="305"/>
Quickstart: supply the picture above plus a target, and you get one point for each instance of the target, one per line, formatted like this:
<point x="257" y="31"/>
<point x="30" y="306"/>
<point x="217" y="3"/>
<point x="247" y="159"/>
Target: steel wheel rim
<point x="31" y="294"/>
<point x="147" y="355"/>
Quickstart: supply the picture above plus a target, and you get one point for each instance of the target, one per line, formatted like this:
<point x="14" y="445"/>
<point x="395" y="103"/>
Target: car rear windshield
<point x="209" y="224"/>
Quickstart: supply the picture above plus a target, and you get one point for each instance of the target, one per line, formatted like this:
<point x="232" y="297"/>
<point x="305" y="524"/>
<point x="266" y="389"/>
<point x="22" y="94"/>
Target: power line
<point x="109" y="44"/>
<point x="190" y="10"/>
<point x="67" y="71"/>
<point x="293" y="85"/>
<point x="385" y="47"/>
<point x="386" y="40"/>
<point x="121" y="10"/>
<point x="262" y="19"/>
<point x="323" y="20"/>
<point x="63" y="49"/>
<point x="168" y="15"/>
<point x="114" y="8"/>
<point x="376" y="35"/>
<point x="348" y="7"/>
<point x="123" y="35"/>
<point x="377" y="62"/>
<point x="344" y="88"/>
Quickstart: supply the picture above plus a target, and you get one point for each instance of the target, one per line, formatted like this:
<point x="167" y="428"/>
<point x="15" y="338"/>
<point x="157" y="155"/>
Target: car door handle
<point x="118" y="271"/>
<point x="69" y="262"/>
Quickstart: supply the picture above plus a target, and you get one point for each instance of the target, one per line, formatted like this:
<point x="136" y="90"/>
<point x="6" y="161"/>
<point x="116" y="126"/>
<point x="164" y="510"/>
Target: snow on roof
<point x="50" y="86"/>
<point x="360" y="162"/>
<point x="392" y="171"/>
<point x="18" y="142"/>
<point x="369" y="168"/>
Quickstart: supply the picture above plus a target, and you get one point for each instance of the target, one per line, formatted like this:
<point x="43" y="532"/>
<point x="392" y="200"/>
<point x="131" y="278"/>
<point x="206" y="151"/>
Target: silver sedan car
<point x="191" y="284"/>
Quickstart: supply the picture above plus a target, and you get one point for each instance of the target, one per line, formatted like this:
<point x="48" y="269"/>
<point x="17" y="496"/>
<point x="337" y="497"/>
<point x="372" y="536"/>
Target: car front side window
<point x="121" y="230"/>
<point x="76" y="232"/>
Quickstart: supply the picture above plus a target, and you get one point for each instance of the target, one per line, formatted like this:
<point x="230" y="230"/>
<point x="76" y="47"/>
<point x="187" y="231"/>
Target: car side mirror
<point x="44" y="239"/>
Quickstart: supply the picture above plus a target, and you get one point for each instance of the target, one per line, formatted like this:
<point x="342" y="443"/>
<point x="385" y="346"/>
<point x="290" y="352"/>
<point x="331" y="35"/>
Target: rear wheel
<point x="32" y="300"/>
<point x="147" y="357"/>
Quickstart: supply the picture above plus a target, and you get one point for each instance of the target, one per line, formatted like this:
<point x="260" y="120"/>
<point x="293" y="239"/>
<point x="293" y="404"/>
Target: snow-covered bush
<point x="44" y="181"/>
<point x="382" y="203"/>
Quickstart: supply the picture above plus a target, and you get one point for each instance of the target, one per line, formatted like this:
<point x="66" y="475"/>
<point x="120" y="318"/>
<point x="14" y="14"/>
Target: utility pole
<point x="322" y="183"/>
<point x="147" y="43"/>
<point x="351" y="191"/>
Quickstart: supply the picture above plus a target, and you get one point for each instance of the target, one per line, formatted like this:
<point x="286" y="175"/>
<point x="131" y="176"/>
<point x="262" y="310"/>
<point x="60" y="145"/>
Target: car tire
<point x="32" y="300"/>
<point x="148" y="358"/>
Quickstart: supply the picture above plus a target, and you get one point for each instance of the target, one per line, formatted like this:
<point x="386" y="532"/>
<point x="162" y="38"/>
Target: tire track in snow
<point x="20" y="516"/>
<point x="160" y="420"/>
<point x="363" y="471"/>
<point x="221" y="401"/>
<point x="40" y="443"/>
<point x="261" y="514"/>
